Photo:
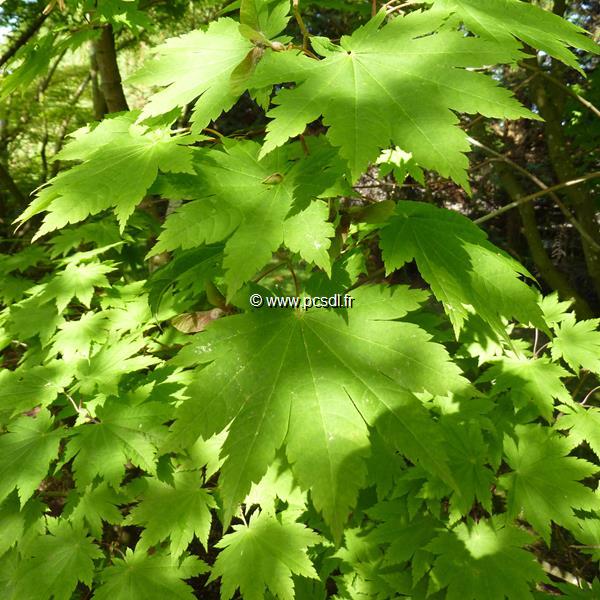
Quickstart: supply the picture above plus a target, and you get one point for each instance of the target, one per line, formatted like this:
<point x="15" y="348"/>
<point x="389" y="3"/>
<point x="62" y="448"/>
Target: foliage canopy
<point x="421" y="443"/>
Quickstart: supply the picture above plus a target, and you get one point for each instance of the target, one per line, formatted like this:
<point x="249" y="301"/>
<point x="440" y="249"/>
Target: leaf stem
<point x="298" y="16"/>
<point x="587" y="396"/>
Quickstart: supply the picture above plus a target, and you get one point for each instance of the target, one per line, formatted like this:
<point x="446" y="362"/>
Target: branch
<point x="23" y="39"/>
<point x="64" y="127"/>
<point x="298" y="16"/>
<point x="545" y="189"/>
<point x="564" y="87"/>
<point x="537" y="195"/>
<point x="13" y="188"/>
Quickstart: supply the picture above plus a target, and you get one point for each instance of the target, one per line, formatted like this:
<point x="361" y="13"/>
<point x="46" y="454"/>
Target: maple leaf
<point x="544" y="484"/>
<point x="104" y="368"/>
<point x="30" y="441"/>
<point x="587" y="531"/>
<point x="574" y="592"/>
<point x="278" y="483"/>
<point x="188" y="514"/>
<point x="74" y="339"/>
<point x="100" y="232"/>
<point x="77" y="280"/>
<point x="238" y="201"/>
<point x="537" y="380"/>
<point x="404" y="534"/>
<point x="554" y="310"/>
<point x="142" y="576"/>
<point x="264" y="554"/>
<point x="25" y="388"/>
<point x="123" y="434"/>
<point x="111" y="152"/>
<point x="400" y="85"/>
<point x="364" y="573"/>
<point x="465" y="271"/>
<point x="59" y="560"/>
<point x="211" y="55"/>
<point x="578" y="344"/>
<point x="313" y="379"/>
<point x="467" y="453"/>
<point x="505" y="20"/>
<point x="19" y="524"/>
<point x="31" y="317"/>
<point x="265" y="17"/>
<point x="190" y="269"/>
<point x="93" y="506"/>
<point x="583" y="425"/>
<point x="485" y="560"/>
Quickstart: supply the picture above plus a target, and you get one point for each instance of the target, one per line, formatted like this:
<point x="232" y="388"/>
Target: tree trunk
<point x="8" y="182"/>
<point x="110" y="77"/>
<point x="98" y="101"/>
<point x="564" y="169"/>
<point x="548" y="271"/>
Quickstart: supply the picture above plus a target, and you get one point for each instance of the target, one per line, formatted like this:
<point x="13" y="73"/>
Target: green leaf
<point x="257" y="205"/>
<point x="26" y="452"/>
<point x="264" y="555"/>
<point x="544" y="483"/>
<point x="141" y="576"/>
<point x="468" y="455"/>
<point x="278" y="483"/>
<point x="79" y="281"/>
<point x="95" y="505"/>
<point x="505" y="20"/>
<point x="17" y="522"/>
<point x="211" y="56"/>
<point x="25" y="388"/>
<point x="404" y="535"/>
<point x="104" y="368"/>
<point x="530" y="380"/>
<point x="573" y="592"/>
<point x="583" y="425"/>
<point x="31" y="318"/>
<point x="100" y="233"/>
<point x="485" y="560"/>
<point x="578" y="344"/>
<point x="110" y="153"/>
<point x="123" y="434"/>
<point x="188" y="515"/>
<point x="587" y="532"/>
<point x="312" y="379"/>
<point x="400" y="85"/>
<point x="466" y="272"/>
<point x="554" y="310"/>
<point x="74" y="339"/>
<point x="58" y="561"/>
<point x="266" y="16"/>
<point x="190" y="269"/>
<point x="364" y="574"/>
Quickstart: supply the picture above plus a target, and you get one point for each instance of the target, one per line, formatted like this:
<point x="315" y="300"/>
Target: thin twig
<point x="298" y="16"/>
<point x="293" y="273"/>
<point x="587" y="396"/>
<point x="23" y="38"/>
<point x="268" y="271"/>
<point x="545" y="190"/>
<point x="80" y="410"/>
<point x="564" y="87"/>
